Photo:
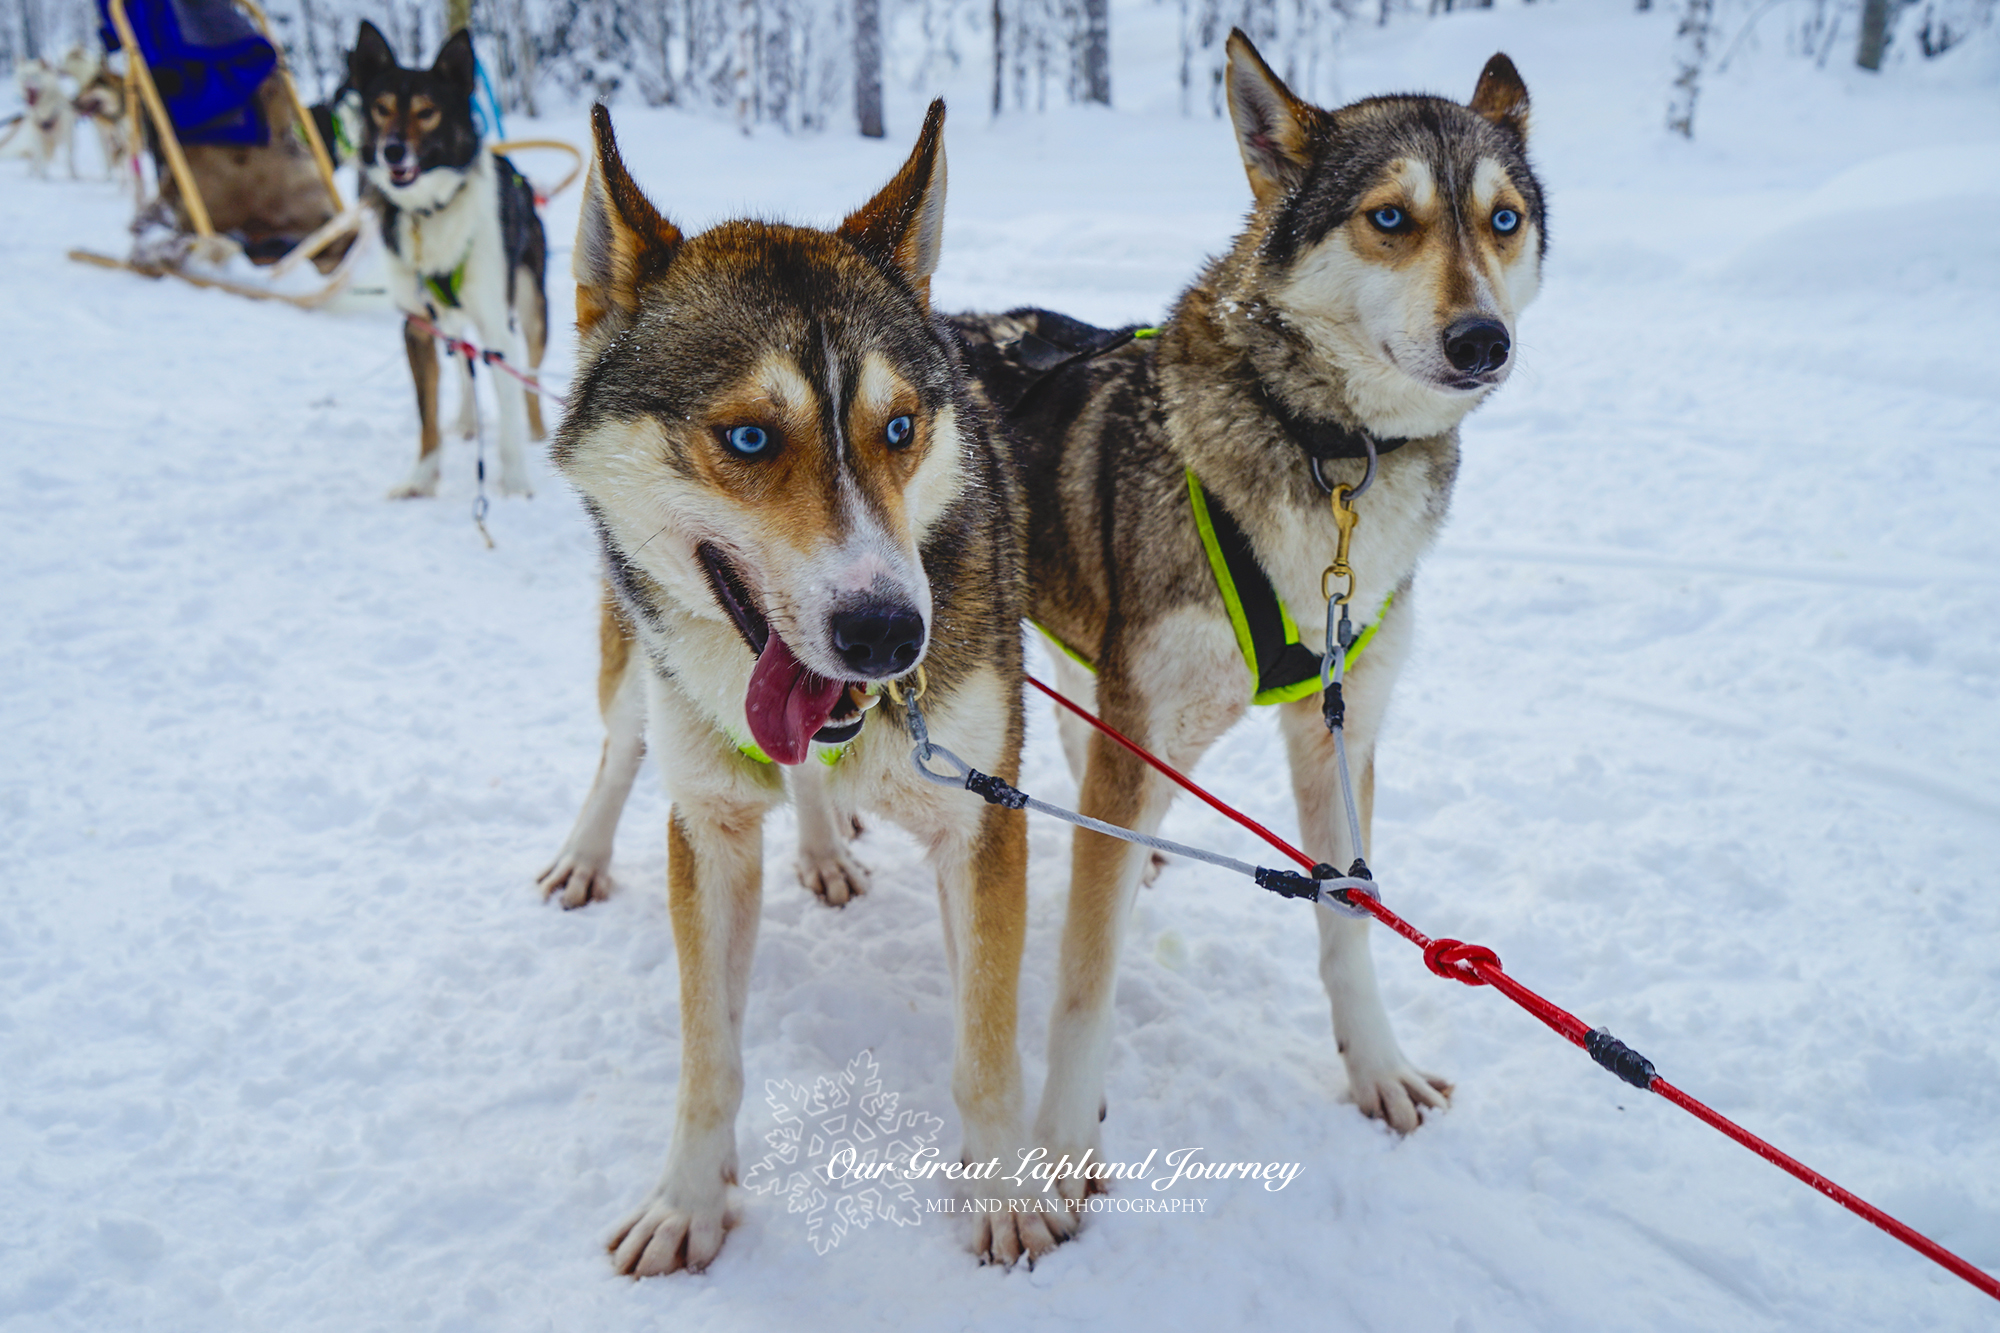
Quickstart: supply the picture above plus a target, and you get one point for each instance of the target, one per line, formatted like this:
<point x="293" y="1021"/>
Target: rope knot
<point x="1454" y="960"/>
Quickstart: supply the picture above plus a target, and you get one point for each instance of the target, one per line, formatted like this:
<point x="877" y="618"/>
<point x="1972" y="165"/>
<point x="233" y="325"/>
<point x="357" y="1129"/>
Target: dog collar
<point x="1318" y="438"/>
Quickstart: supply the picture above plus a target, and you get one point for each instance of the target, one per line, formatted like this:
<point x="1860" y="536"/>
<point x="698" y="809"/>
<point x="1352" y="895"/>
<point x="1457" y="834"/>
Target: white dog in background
<point x="48" y="120"/>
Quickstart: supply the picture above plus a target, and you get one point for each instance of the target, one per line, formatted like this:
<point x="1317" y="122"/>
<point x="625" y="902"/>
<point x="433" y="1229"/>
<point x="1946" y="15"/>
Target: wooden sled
<point x="346" y="223"/>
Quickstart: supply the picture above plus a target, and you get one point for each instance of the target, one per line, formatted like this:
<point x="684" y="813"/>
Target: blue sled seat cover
<point x="208" y="61"/>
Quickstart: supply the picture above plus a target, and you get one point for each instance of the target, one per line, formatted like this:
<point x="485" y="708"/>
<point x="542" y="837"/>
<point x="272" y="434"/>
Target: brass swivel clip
<point x="1344" y="517"/>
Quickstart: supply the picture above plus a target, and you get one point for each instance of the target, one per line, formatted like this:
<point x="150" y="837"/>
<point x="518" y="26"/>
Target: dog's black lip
<point x="833" y="734"/>
<point x="734" y="598"/>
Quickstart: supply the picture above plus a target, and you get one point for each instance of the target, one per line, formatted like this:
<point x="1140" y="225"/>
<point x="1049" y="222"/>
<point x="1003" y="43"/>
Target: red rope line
<point x="1477" y="965"/>
<point x="460" y="347"/>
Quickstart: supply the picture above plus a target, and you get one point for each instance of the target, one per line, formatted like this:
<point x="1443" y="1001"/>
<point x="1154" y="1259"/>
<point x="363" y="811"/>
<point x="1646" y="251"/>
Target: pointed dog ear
<point x="455" y="63"/>
<point x="371" y="56"/>
<point x="1501" y="97"/>
<point x="903" y="225"/>
<point x="1273" y="128"/>
<point x="622" y="242"/>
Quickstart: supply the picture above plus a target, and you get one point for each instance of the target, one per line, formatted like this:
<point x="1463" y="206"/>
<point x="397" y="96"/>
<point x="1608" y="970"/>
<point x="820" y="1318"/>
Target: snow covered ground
<point x="1702" y="737"/>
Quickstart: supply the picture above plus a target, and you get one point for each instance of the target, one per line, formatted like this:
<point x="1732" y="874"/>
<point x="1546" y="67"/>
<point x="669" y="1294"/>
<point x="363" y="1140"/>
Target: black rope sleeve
<point x="1291" y="884"/>
<point x="1333" y="707"/>
<point x="1619" y="1058"/>
<point x="994" y="790"/>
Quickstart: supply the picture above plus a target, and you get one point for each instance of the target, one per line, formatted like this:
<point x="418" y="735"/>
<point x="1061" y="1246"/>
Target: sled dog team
<point x="811" y="490"/>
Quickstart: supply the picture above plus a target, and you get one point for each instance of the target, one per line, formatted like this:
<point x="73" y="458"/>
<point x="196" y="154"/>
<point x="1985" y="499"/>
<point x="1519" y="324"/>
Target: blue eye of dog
<point x="1505" y="220"/>
<point x="899" y="432"/>
<point x="1388" y="219"/>
<point x="748" y="440"/>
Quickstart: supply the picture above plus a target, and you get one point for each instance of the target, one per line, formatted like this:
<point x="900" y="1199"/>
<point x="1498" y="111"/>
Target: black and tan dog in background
<point x="1392" y="246"/>
<point x="797" y="501"/>
<point x="466" y="249"/>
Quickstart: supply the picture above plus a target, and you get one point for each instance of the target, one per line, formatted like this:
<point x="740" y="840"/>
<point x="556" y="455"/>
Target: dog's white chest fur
<point x="444" y="218"/>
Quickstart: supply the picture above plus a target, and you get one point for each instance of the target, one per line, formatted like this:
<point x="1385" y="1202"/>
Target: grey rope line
<point x="1323" y="886"/>
<point x="1333" y="706"/>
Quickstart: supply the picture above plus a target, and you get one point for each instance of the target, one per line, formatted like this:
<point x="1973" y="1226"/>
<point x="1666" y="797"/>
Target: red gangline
<point x="460" y="347"/>
<point x="1477" y="965"/>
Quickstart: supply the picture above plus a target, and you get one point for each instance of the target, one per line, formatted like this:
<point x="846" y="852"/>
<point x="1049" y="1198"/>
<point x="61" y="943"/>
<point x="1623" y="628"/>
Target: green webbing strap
<point x="828" y="754"/>
<point x="1283" y="667"/>
<point x="446" y="286"/>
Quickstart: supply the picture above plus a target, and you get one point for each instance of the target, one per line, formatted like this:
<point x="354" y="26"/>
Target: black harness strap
<point x="1280" y="664"/>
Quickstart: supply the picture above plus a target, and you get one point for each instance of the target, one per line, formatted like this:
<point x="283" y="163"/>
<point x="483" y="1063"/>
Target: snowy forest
<point x="820" y="65"/>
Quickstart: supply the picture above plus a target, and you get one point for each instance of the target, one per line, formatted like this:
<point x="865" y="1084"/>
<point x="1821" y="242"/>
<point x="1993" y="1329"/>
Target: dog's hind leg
<point x="1080" y="686"/>
<point x="1382" y="1081"/>
<point x="824" y="864"/>
<point x="582" y="869"/>
<point x="423" y="478"/>
<point x="512" y="397"/>
<point x="468" y="401"/>
<point x="533" y="309"/>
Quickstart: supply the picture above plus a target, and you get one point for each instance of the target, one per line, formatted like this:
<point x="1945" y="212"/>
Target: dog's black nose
<point x="392" y="152"/>
<point x="1476" y="346"/>
<point x="878" y="638"/>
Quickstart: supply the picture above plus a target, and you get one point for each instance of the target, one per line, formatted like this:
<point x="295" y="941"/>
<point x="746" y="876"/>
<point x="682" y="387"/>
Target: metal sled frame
<point x="346" y="219"/>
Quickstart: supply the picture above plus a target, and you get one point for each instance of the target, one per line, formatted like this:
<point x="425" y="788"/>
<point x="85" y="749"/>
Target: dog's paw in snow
<point x="578" y="876"/>
<point x="831" y="873"/>
<point x="1397" y="1092"/>
<point x="421" y="484"/>
<point x="669" y="1235"/>
<point x="1032" y="1224"/>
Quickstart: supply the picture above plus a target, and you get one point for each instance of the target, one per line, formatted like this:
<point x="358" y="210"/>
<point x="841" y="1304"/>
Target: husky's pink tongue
<point x="786" y="703"/>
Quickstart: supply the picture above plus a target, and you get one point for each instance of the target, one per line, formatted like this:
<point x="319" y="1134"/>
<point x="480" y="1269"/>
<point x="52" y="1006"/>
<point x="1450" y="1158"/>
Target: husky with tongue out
<point x="798" y="503"/>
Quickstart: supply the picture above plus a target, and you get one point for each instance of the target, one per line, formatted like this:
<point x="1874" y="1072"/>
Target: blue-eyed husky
<point x="1179" y="526"/>
<point x="797" y="500"/>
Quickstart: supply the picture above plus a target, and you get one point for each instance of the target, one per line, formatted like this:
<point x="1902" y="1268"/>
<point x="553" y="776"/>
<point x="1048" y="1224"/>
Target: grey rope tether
<point x="1321" y="886"/>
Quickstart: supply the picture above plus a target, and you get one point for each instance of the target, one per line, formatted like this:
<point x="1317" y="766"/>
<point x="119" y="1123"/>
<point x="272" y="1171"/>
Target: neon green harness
<point x="446" y="286"/>
<point x="1282" y="666"/>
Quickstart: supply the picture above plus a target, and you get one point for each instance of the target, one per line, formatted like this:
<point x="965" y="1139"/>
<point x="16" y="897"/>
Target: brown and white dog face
<point x="1402" y="236"/>
<point x="765" y="428"/>
<point x="418" y="135"/>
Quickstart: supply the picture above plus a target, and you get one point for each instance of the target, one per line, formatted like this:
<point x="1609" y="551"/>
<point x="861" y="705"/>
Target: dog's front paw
<point x="579" y="876"/>
<point x="832" y="873"/>
<point x="1013" y="1223"/>
<point x="666" y="1236"/>
<point x="1396" y="1091"/>
<point x="418" y="487"/>
<point x="515" y="482"/>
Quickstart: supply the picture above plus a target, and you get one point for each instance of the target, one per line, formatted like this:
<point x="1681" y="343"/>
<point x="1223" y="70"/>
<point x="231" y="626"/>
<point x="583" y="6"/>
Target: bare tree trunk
<point x="1692" y="54"/>
<point x="1874" y="34"/>
<point x="457" y="14"/>
<point x="999" y="54"/>
<point x="1097" y="52"/>
<point x="868" y="66"/>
